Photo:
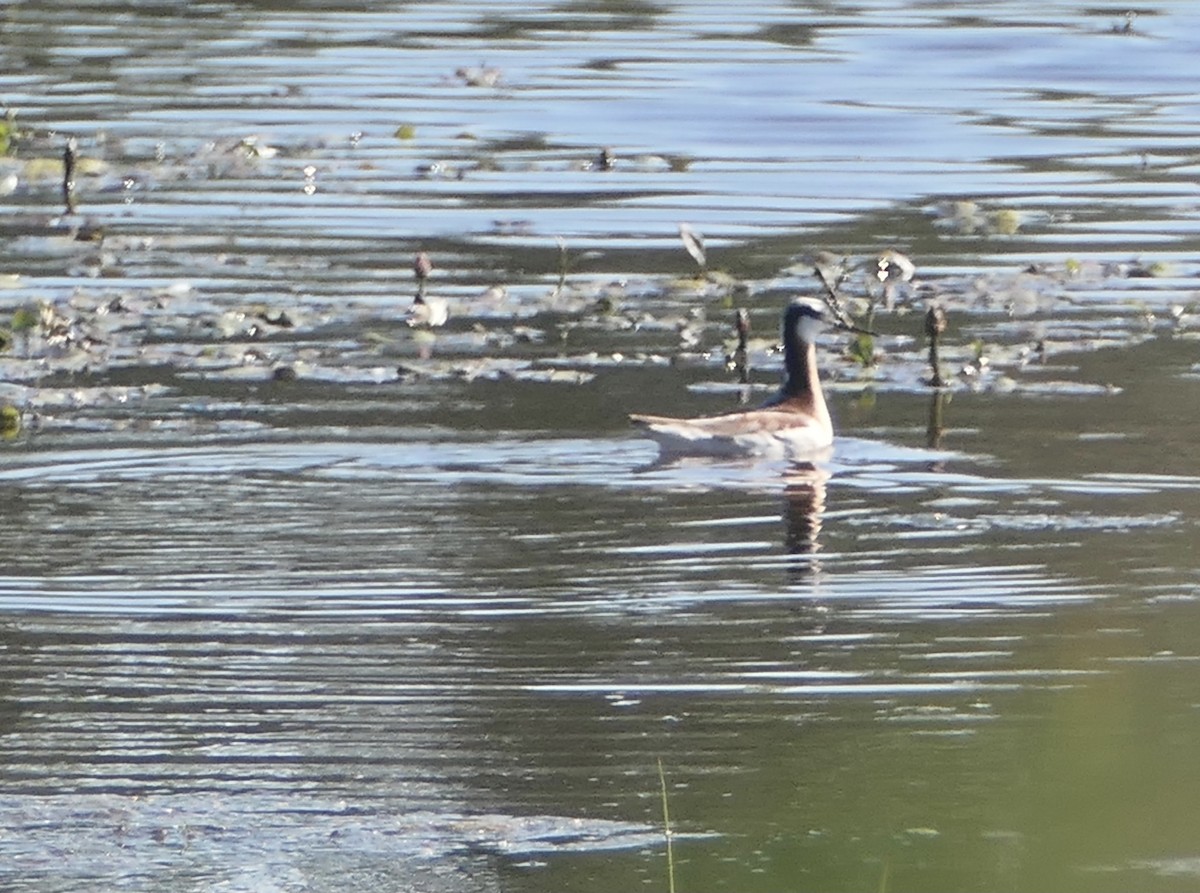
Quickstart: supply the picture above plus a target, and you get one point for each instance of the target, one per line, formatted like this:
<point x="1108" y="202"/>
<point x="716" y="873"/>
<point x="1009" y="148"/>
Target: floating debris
<point x="440" y="170"/>
<point x="479" y="76"/>
<point x="1126" y="27"/>
<point x="254" y="147"/>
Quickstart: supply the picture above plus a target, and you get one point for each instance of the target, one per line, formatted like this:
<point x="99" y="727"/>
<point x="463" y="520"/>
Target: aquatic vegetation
<point x="1136" y="269"/>
<point x="24" y="319"/>
<point x="962" y="216"/>
<point x="1006" y="221"/>
<point x="967" y="217"/>
<point x="861" y="348"/>
<point x="10" y="421"/>
<point x="546" y="332"/>
<point x="527" y="314"/>
<point x="8" y="131"/>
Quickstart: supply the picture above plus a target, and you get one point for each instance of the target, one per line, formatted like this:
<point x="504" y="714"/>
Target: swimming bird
<point x="426" y="312"/>
<point x="795" y="423"/>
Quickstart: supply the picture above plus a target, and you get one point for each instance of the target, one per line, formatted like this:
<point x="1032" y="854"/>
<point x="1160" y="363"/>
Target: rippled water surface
<point x="297" y="596"/>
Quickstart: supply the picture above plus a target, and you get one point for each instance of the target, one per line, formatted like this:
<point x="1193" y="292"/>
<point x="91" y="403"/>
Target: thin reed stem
<point x="662" y="781"/>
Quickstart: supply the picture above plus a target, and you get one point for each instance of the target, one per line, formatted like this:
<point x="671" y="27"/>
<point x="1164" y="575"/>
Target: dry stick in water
<point x="68" y="184"/>
<point x="694" y="243"/>
<point x="739" y="361"/>
<point x="935" y="324"/>
<point x="834" y="303"/>
<point x="831" y="298"/>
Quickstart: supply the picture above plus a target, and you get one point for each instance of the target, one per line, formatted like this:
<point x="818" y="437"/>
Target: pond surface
<point x="298" y="596"/>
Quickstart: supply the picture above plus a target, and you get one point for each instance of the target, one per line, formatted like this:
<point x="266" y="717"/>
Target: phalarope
<point x="794" y="424"/>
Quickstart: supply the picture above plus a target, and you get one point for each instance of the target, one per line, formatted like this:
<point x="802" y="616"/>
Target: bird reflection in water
<point x="935" y="427"/>
<point x="803" y="508"/>
<point x="935" y="327"/>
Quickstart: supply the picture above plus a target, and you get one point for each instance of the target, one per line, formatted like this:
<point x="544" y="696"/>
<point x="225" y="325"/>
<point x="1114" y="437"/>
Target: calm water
<point x="297" y="597"/>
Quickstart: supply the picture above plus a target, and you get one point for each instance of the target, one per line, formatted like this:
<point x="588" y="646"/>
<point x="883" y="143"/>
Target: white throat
<point x="807" y="329"/>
